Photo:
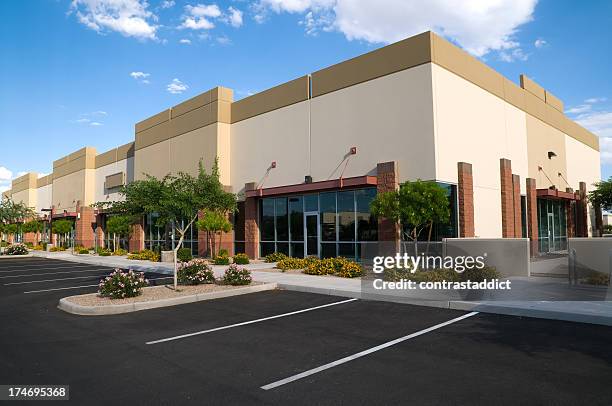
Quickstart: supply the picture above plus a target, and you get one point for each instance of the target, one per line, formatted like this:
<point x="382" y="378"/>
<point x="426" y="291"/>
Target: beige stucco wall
<point x="280" y="135"/>
<point x="27" y="197"/>
<point x="74" y="187"/>
<point x="44" y="197"/>
<point x="474" y="126"/>
<point x="103" y="195"/>
<point x="388" y="119"/>
<point x="543" y="138"/>
<point x="183" y="153"/>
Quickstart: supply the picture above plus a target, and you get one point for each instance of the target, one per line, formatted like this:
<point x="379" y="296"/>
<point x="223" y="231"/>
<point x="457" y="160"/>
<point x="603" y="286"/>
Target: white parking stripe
<point x="53" y="273"/>
<point x="363" y="353"/>
<point x="163" y="340"/>
<point x="82" y="286"/>
<point x="55" y="280"/>
<point x="53" y="267"/>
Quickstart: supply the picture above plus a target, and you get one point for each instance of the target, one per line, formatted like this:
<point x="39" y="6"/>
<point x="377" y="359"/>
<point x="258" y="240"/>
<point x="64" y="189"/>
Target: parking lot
<point x="283" y="347"/>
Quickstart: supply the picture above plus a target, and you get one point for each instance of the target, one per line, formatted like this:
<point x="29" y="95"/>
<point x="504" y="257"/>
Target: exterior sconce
<point x="551" y="155"/>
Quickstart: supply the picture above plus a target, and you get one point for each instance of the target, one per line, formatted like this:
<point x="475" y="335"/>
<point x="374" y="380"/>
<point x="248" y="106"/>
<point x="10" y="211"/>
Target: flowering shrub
<point x="341" y="267"/>
<point x="295" y="263"/>
<point x="120" y="252"/>
<point x="119" y="285"/>
<point x="83" y="251"/>
<point x="146" y="255"/>
<point x="241" y="259"/>
<point x="275" y="257"/>
<point x="195" y="272"/>
<point x="56" y="249"/>
<point x="222" y="259"/>
<point x="17" y="249"/>
<point x="237" y="276"/>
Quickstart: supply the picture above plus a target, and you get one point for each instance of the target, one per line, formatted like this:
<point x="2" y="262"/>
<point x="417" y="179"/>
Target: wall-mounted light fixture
<point x="551" y="154"/>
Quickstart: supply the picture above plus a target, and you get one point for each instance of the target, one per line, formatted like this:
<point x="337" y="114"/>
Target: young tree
<point x="176" y="199"/>
<point x="33" y="226"/>
<point x="118" y="226"/>
<point x="214" y="223"/>
<point x="11" y="212"/>
<point x="602" y="194"/>
<point x="416" y="206"/>
<point x="62" y="227"/>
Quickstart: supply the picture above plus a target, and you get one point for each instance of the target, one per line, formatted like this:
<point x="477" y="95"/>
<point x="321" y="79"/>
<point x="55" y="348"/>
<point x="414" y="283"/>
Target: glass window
<point x="267" y="219"/>
<point x="282" y="221"/>
<point x="327" y="202"/>
<point x="296" y="218"/>
<point x="346" y="216"/>
<point x="282" y="247"/>
<point x="346" y="250"/>
<point x="297" y="249"/>
<point x="311" y="202"/>
<point x="367" y="225"/>
<point x="266" y="248"/>
<point x="328" y="250"/>
<point x="239" y="223"/>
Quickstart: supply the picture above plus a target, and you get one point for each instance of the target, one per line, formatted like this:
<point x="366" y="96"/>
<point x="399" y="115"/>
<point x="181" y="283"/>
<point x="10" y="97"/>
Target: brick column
<point x="30" y="238"/>
<point x="202" y="240"/>
<point x="569" y="219"/>
<point x="516" y="188"/>
<point x="507" y="198"/>
<point x="532" y="216"/>
<point x="136" y="240"/>
<point x="582" y="225"/>
<point x="598" y="229"/>
<point x="52" y="235"/>
<point x="465" y="191"/>
<point x="99" y="231"/>
<point x="84" y="231"/>
<point x="387" y="175"/>
<point x="251" y="224"/>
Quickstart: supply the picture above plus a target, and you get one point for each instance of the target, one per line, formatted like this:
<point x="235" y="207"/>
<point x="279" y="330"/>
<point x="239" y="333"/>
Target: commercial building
<point x="307" y="157"/>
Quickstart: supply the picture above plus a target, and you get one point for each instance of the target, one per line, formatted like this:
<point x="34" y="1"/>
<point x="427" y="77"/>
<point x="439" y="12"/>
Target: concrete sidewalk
<point x="595" y="312"/>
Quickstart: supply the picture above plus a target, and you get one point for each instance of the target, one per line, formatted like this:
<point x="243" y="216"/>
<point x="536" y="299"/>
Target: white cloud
<point x="224" y="40"/>
<point x="235" y="17"/>
<point x="512" y="55"/>
<point x="130" y="18"/>
<point x="82" y="120"/>
<point x="594" y="100"/>
<point x="95" y="124"/>
<point x="167" y="4"/>
<point x="582" y="108"/>
<point x="540" y="43"/>
<point x="185" y="41"/>
<point x="199" y="17"/>
<point x="478" y="26"/>
<point x="203" y="17"/>
<point x="141" y="77"/>
<point x="176" y="86"/>
<point x="5" y="178"/>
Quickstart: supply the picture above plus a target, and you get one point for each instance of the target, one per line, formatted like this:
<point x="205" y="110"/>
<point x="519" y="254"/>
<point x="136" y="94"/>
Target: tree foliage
<point x="62" y="226"/>
<point x="175" y="199"/>
<point x="119" y="225"/>
<point x="33" y="226"/>
<point x="602" y="194"/>
<point x="215" y="224"/>
<point x="11" y="212"/>
<point x="416" y="205"/>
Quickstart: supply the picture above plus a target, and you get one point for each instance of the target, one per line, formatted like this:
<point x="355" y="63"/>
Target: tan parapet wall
<point x="275" y="98"/>
<point x="554" y="101"/>
<point x="207" y="108"/>
<point x="74" y="179"/>
<point x="44" y="181"/>
<point x="401" y="55"/>
<point x="533" y="88"/>
<point x="25" y="182"/>
<point x="6" y="194"/>
<point x="115" y="155"/>
<point x="85" y="158"/>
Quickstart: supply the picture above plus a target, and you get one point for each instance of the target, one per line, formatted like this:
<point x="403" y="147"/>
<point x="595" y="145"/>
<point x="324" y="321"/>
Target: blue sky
<point x="75" y="73"/>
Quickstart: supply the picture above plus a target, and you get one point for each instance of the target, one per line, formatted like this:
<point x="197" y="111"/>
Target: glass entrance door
<point x="551" y="232"/>
<point x="311" y="233"/>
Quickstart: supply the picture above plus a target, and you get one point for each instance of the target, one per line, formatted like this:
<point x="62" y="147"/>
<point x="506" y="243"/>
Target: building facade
<point x="307" y="157"/>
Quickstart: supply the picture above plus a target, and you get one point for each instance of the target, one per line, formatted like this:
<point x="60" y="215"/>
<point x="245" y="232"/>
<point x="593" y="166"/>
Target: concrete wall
<point x="475" y="126"/>
<point x="74" y="187"/>
<point x="101" y="193"/>
<point x="44" y="198"/>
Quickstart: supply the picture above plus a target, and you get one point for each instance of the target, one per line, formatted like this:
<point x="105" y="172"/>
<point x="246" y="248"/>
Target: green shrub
<point x="83" y="251"/>
<point x="479" y="275"/>
<point x="145" y="255"/>
<point x="38" y="248"/>
<point x="275" y="257"/>
<point x="57" y="249"/>
<point x="597" y="278"/>
<point x="237" y="276"/>
<point x="222" y="260"/>
<point x="291" y="263"/>
<point x="184" y="254"/>
<point x="104" y="253"/>
<point x="223" y="253"/>
<point x="350" y="269"/>
<point x="119" y="285"/>
<point x="195" y="272"/>
<point x="340" y="266"/>
<point x="4" y="244"/>
<point x="29" y="244"/>
<point x="17" y="249"/>
<point x="120" y="252"/>
<point x="241" y="259"/>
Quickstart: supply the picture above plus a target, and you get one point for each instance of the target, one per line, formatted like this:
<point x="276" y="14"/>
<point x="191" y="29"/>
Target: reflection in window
<point x="327" y="202"/>
<point x="346" y="216"/>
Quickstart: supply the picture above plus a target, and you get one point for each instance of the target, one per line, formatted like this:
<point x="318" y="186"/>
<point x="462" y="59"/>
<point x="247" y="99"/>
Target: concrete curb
<point x="16" y="256"/>
<point x="74" y="308"/>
